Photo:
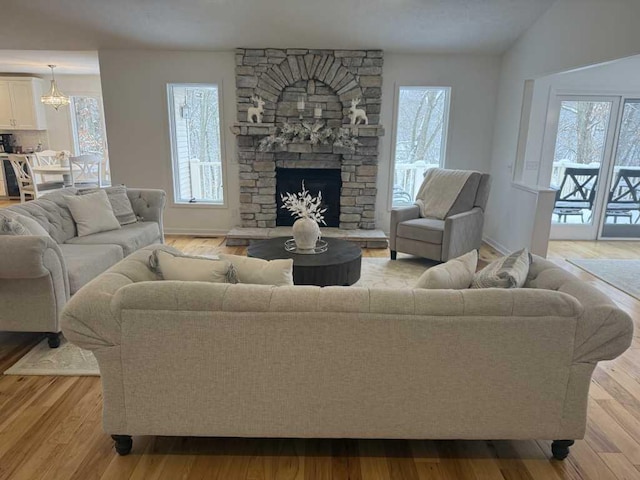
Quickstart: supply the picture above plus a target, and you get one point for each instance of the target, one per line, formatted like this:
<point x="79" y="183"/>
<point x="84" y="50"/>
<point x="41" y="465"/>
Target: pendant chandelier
<point x="54" y="97"/>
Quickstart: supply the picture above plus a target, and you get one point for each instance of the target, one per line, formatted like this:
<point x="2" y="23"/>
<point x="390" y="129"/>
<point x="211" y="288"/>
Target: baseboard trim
<point x="197" y="232"/>
<point x="496" y="245"/>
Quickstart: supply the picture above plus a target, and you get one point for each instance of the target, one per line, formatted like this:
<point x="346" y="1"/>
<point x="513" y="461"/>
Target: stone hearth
<point x="326" y="78"/>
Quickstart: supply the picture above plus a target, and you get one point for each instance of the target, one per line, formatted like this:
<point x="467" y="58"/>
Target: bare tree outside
<point x="628" y="153"/>
<point x="582" y="131"/>
<point x="197" y="151"/>
<point x="420" y="137"/>
<point x="203" y="127"/>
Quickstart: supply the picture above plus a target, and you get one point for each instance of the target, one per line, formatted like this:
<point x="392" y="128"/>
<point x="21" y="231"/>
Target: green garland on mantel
<point x="314" y="134"/>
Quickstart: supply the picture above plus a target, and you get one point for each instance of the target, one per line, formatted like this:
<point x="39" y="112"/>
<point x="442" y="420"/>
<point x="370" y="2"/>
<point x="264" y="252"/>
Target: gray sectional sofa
<point x="212" y="359"/>
<point x="39" y="272"/>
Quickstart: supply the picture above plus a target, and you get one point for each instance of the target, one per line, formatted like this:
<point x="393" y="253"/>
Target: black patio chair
<point x="577" y="192"/>
<point x="624" y="197"/>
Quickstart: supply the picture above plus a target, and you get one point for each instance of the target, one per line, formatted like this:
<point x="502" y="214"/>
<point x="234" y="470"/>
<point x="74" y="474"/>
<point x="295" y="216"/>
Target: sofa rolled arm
<point x="604" y="333"/>
<point x="399" y="215"/>
<point x="35" y="256"/>
<point x="29" y="256"/>
<point x="148" y="204"/>
<point x="462" y="233"/>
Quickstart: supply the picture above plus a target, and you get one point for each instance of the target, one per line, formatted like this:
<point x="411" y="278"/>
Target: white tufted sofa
<point x="39" y="272"/>
<point x="205" y="359"/>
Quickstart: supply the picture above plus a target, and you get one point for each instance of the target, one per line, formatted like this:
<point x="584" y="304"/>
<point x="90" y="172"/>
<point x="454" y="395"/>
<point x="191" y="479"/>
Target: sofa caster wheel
<point x="53" y="339"/>
<point x="560" y="448"/>
<point x="394" y="254"/>
<point x="123" y="444"/>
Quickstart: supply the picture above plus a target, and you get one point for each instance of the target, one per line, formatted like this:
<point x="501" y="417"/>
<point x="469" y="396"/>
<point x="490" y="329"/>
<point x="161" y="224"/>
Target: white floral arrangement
<point x="62" y="157"/>
<point x="304" y="205"/>
<point x="62" y="154"/>
<point x="314" y="134"/>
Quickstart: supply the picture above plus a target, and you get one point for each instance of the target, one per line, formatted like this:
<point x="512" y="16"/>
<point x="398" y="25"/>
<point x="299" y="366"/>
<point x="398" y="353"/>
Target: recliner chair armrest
<point x="399" y="215"/>
<point x="462" y="233"/>
<point x="148" y="204"/>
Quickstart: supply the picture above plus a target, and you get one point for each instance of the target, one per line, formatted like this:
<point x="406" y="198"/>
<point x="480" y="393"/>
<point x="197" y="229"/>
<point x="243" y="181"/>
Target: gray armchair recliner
<point x="441" y="240"/>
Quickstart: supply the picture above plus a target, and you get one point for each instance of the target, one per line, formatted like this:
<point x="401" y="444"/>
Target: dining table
<point x="57" y="169"/>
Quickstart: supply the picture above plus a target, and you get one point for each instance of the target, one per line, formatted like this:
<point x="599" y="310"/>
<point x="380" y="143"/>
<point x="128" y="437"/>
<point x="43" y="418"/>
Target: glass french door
<point x="585" y="132"/>
<point x="621" y="218"/>
<point x="89" y="134"/>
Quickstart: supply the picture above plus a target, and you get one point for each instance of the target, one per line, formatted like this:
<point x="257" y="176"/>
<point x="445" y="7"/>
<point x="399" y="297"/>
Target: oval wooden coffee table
<point x="339" y="265"/>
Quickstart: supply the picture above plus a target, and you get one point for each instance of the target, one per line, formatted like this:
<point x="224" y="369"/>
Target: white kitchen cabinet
<point x="6" y="112"/>
<point x="20" y="106"/>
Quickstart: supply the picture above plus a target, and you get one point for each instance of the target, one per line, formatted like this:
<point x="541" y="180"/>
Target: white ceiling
<point x="436" y="26"/>
<point x="36" y="61"/>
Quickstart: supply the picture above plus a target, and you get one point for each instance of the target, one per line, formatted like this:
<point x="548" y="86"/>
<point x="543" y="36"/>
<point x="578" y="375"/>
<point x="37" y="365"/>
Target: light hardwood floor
<point x="50" y="427"/>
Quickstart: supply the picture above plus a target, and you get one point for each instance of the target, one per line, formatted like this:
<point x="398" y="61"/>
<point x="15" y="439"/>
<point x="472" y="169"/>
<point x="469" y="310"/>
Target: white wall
<point x="59" y="122"/>
<point x="474" y="88"/>
<point x="571" y="34"/>
<point x="134" y="91"/>
<point x="134" y="86"/>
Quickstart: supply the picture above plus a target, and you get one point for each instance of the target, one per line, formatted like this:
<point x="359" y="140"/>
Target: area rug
<point x="71" y="360"/>
<point x="622" y="274"/>
<point x="67" y="359"/>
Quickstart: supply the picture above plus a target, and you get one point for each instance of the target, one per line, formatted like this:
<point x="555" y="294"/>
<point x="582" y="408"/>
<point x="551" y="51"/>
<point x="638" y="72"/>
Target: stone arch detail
<point x="325" y="68"/>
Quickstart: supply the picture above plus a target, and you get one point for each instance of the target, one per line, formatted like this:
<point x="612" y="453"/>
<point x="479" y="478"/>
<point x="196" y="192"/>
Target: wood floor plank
<point x="586" y="463"/>
<point x="621" y="415"/>
<point x="122" y="467"/>
<point x="50" y="427"/>
<point x="534" y="460"/>
<point x="317" y="463"/>
<point x="400" y="460"/>
<point x="429" y="471"/>
<point x="373" y="462"/>
<point x="452" y="465"/>
<point x="511" y="465"/>
<point x="620" y="466"/>
<point x="614" y="432"/>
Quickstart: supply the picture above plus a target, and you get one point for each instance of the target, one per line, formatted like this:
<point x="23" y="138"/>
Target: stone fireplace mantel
<point x="262" y="129"/>
<point x="328" y="79"/>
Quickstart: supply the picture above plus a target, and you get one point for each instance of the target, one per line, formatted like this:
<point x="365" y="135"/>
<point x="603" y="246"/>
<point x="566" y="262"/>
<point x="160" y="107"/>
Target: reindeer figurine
<point x="255" y="112"/>
<point x="357" y="114"/>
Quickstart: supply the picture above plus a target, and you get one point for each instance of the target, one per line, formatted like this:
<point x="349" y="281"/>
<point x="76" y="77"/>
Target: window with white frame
<point x="87" y="125"/>
<point x="196" y="143"/>
<point x="422" y="118"/>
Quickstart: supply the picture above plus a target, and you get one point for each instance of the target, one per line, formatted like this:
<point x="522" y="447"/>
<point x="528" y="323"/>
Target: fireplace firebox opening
<point x="325" y="180"/>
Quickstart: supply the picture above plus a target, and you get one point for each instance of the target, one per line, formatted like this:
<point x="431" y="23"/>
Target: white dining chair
<point x="24" y="177"/>
<point x="89" y="170"/>
<point x="27" y="182"/>
<point x="45" y="157"/>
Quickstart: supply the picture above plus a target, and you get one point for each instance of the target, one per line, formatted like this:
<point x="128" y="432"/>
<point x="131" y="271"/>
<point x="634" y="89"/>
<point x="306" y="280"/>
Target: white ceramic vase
<point x="306" y="233"/>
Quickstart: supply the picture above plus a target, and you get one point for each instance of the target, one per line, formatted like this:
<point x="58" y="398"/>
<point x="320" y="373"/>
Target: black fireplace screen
<point x="327" y="181"/>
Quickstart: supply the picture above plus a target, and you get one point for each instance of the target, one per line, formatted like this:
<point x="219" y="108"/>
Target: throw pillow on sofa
<point x="92" y="213"/>
<point x="32" y="226"/>
<point x="117" y="195"/>
<point x="505" y="272"/>
<point x="170" y="266"/>
<point x="456" y="274"/>
<point x="261" y="272"/>
<point x="9" y="226"/>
